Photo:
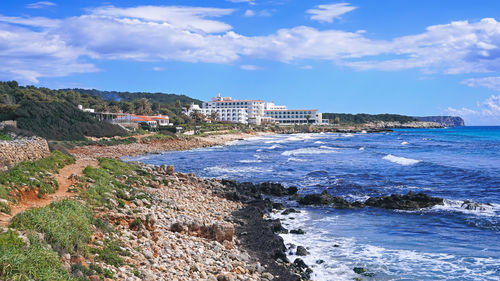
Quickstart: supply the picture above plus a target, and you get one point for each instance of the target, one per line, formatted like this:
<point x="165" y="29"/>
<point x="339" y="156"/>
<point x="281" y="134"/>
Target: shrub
<point x="66" y="224"/>
<point x="35" y="174"/>
<point x="20" y="262"/>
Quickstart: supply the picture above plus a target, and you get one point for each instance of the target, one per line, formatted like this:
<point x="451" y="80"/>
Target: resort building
<point x="254" y="112"/>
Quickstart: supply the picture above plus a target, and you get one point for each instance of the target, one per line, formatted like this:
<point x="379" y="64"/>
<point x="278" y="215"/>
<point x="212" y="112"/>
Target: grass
<point x="66" y="224"/>
<point x="101" y="142"/>
<point x="20" y="262"/>
<point x="4" y="208"/>
<point x="36" y="175"/>
<point x="111" y="253"/>
<point x="4" y="137"/>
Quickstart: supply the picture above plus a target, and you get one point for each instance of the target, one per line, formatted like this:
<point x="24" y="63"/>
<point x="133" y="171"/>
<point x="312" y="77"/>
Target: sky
<point x="412" y="57"/>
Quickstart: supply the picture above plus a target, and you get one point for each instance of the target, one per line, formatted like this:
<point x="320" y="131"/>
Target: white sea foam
<point x="293" y="159"/>
<point x="342" y="254"/>
<point x="405" y="143"/>
<point x="361" y="148"/>
<point x="310" y="150"/>
<point x="319" y="142"/>
<point x="490" y="210"/>
<point x="223" y="171"/>
<point x="348" y="135"/>
<point x="274" y="146"/>
<point x="400" y="160"/>
<point x="250" y="161"/>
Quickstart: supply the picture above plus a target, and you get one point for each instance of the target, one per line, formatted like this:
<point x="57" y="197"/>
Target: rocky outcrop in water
<point x="447" y="121"/>
<point x="410" y="201"/>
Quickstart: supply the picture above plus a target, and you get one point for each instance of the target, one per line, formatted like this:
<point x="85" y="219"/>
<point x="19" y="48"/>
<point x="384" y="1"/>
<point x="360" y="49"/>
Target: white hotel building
<point x="256" y="112"/>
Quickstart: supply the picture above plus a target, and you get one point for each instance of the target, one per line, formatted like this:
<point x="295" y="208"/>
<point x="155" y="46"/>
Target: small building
<point x="153" y="121"/>
<point x="90" y="110"/>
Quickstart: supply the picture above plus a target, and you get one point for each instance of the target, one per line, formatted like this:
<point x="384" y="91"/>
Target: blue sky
<point x="386" y="56"/>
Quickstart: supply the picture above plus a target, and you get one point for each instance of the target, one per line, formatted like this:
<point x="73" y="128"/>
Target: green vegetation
<point x="4" y="137"/>
<point x="19" y="261"/>
<point x="344" y="118"/>
<point x="111" y="253"/>
<point x="53" y="114"/>
<point x="36" y="175"/>
<point x="66" y="224"/>
<point x="101" y="142"/>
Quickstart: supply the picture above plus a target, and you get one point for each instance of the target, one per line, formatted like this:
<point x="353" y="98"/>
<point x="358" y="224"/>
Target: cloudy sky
<point x="415" y="57"/>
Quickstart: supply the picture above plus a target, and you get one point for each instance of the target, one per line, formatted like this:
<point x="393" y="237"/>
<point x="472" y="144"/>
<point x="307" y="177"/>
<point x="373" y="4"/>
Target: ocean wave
<point x="319" y="142"/>
<point x="293" y="159"/>
<point x="250" y="161"/>
<point x="400" y="160"/>
<point x="405" y="143"/>
<point x="274" y="146"/>
<point x="310" y="150"/>
<point x="361" y="148"/>
<point x="223" y="171"/>
<point x="468" y="207"/>
<point x="342" y="254"/>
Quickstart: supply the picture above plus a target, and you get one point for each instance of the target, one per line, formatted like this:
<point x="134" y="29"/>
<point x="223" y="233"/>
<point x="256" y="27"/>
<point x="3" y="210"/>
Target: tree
<point x="337" y="120"/>
<point x="308" y="117"/>
<point x="197" y="116"/>
<point x="142" y="106"/>
<point x="214" y="116"/>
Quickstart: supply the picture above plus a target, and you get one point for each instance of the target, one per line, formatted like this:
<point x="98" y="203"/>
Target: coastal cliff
<point x="447" y="121"/>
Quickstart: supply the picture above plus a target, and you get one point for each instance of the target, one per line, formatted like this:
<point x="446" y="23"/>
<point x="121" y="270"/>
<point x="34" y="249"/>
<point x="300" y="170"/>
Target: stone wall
<point x="27" y="149"/>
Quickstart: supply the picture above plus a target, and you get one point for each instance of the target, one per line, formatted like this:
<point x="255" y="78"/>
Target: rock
<point x="301" y="251"/>
<point x="278" y="206"/>
<point x="360" y="270"/>
<point x="267" y="276"/>
<point x="170" y="170"/>
<point x="469" y="205"/>
<point x="94" y="278"/>
<point x="78" y="259"/>
<point x="320" y="262"/>
<point x="289" y="211"/>
<point x="324" y="199"/>
<point x="297" y="231"/>
<point x="410" y="201"/>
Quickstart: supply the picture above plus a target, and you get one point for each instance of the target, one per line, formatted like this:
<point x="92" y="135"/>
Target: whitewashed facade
<point x="254" y="112"/>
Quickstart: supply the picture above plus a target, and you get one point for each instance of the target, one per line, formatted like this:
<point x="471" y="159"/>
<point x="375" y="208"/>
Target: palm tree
<point x="197" y="116"/>
<point x="307" y="118"/>
<point x="214" y="115"/>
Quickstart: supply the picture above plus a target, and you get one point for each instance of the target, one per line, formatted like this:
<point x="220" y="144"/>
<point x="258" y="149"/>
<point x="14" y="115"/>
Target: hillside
<point x="447" y="121"/>
<point x="132" y="96"/>
<point x="362" y="118"/>
<point x="53" y="114"/>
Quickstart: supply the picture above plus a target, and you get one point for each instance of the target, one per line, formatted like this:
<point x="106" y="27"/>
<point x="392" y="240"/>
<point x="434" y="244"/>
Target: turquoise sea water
<point x="441" y="243"/>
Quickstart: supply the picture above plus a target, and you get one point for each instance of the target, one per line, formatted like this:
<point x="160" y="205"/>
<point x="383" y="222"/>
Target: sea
<point x="448" y="242"/>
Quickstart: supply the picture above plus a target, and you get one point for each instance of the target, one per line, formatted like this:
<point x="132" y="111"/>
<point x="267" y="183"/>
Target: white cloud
<point x="250" y="67"/>
<point x="329" y="12"/>
<point x="33" y="47"/>
<point x="251" y="2"/>
<point x="40" y="5"/>
<point x="249" y="13"/>
<point x="158" y="68"/>
<point x="188" y="18"/>
<point x="492" y="83"/>
<point x="307" y="67"/>
<point x="486" y="112"/>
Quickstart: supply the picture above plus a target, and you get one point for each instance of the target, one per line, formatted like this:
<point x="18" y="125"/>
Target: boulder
<point x="301" y="251"/>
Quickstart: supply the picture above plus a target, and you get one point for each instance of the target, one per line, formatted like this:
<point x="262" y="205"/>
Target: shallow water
<point x="442" y="243"/>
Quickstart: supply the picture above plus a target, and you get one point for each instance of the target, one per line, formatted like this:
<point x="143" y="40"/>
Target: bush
<point x="19" y="262"/>
<point x="62" y="121"/>
<point x="66" y="224"/>
<point x="35" y="174"/>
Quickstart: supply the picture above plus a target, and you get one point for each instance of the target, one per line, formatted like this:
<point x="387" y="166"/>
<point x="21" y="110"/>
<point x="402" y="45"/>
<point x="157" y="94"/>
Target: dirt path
<point x="32" y="201"/>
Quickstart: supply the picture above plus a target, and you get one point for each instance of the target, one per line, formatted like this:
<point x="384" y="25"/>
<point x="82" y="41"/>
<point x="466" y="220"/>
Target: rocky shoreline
<point x="158" y="145"/>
